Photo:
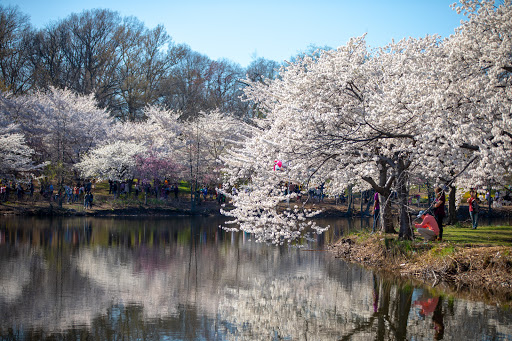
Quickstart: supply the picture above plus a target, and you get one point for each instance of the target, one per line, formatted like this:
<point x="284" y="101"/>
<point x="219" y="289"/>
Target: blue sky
<point x="273" y="29"/>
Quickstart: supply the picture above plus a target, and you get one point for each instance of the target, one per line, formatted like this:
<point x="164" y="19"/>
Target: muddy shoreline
<point x="480" y="272"/>
<point x="102" y="210"/>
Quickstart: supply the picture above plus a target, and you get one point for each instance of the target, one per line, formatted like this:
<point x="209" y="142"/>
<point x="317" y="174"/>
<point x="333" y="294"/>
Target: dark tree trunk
<point x="452" y="209"/>
<point x="350" y="199"/>
<point x="386" y="216"/>
<point x="384" y="190"/>
<point x="403" y="195"/>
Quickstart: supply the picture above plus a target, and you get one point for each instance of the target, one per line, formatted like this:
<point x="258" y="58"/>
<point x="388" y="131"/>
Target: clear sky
<point x="241" y="30"/>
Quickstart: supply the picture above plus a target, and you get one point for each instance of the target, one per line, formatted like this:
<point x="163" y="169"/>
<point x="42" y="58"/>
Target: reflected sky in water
<point x="183" y="278"/>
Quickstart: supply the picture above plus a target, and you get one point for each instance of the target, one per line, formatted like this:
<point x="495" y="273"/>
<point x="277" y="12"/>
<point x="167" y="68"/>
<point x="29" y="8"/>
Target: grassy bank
<point x="469" y="262"/>
<point x="484" y="235"/>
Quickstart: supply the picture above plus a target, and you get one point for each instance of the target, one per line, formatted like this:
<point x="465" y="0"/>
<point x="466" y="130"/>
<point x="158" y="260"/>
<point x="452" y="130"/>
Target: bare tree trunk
<point x="350" y="200"/>
<point x="489" y="200"/>
<point x="403" y="194"/>
<point x="384" y="190"/>
<point x="386" y="216"/>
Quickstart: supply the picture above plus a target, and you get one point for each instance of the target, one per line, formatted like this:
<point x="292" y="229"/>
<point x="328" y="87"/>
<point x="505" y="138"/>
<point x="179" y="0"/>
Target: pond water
<point x="183" y="278"/>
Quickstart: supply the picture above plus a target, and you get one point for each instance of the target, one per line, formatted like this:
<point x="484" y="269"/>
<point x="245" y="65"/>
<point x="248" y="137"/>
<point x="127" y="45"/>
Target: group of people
<point x="65" y="193"/>
<point x="8" y="187"/>
<point x="431" y="226"/>
<point x="88" y="197"/>
<point x="159" y="189"/>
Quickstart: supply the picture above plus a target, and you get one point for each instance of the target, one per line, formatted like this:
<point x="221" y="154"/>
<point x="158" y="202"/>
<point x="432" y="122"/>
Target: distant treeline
<point x="126" y="65"/>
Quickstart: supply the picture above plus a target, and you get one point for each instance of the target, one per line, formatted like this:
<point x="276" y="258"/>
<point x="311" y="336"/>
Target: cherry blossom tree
<point x="483" y="45"/>
<point x="159" y="132"/>
<point x="73" y="123"/>
<point x="346" y="117"/>
<point x="167" y="148"/>
<point x="206" y="139"/>
<point x="352" y="116"/>
<point x="15" y="153"/>
<point x="473" y="93"/>
<point x="16" y="156"/>
<point x="58" y="125"/>
<point x="151" y="166"/>
<point x="154" y="154"/>
<point x="115" y="161"/>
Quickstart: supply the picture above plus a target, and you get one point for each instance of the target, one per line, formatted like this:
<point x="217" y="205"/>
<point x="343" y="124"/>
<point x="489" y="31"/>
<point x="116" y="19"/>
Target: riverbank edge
<point x="113" y="212"/>
<point x="52" y="209"/>
<point x="183" y="207"/>
<point x="479" y="272"/>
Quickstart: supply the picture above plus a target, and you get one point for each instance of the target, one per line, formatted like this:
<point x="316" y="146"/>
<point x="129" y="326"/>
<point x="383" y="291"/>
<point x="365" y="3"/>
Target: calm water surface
<point x="186" y="279"/>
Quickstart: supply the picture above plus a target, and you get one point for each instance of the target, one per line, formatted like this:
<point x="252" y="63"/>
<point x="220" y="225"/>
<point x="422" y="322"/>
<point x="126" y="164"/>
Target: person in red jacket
<point x="428" y="228"/>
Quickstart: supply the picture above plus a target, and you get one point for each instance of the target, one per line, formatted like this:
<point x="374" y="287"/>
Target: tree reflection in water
<point x="183" y="278"/>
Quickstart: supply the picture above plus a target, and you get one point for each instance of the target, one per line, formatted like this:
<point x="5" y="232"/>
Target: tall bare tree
<point x="15" y="35"/>
<point x="146" y="58"/>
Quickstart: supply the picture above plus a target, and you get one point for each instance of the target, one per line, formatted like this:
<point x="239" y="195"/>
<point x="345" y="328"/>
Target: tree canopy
<point x="435" y="108"/>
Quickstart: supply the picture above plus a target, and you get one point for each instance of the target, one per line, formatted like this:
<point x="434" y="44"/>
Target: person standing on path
<point x="376" y="210"/>
<point x="176" y="191"/>
<point x="439" y="213"/>
<point x="473" y="208"/>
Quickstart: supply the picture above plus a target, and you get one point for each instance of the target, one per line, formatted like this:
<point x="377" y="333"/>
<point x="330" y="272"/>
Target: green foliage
<point x="53" y="170"/>
<point x="101" y="187"/>
<point x="155" y="202"/>
<point x="424" y="200"/>
<point x="402" y="248"/>
<point x="361" y="235"/>
<point x="184" y="186"/>
<point x="439" y="251"/>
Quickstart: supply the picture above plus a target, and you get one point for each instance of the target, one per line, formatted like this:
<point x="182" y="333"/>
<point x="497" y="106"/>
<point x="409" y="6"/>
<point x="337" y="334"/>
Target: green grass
<point x="488" y="235"/>
<point x="453" y="236"/>
<point x="441" y="252"/>
<point x="400" y="247"/>
<point x="101" y="187"/>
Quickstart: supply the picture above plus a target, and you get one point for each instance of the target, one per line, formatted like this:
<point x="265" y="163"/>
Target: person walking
<point x="91" y="197"/>
<point x="76" y="193"/>
<point x="31" y="189"/>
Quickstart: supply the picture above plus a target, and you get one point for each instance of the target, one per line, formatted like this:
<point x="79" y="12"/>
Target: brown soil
<point x="481" y="272"/>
